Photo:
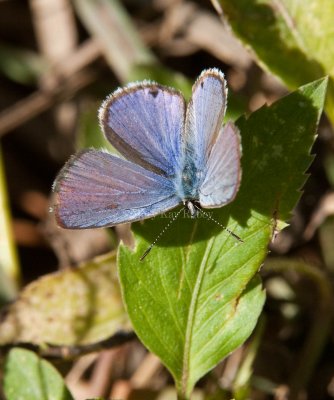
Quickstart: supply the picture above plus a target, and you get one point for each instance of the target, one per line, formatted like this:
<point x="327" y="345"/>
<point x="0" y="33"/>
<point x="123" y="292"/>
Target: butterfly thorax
<point x="189" y="180"/>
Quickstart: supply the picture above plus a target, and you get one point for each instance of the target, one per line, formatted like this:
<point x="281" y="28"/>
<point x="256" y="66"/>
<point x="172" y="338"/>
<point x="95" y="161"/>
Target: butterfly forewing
<point x="144" y="122"/>
<point x="97" y="189"/>
<point x="223" y="172"/>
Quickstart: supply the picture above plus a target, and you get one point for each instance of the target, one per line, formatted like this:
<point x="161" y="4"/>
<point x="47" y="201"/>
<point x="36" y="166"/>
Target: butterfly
<point x="172" y="153"/>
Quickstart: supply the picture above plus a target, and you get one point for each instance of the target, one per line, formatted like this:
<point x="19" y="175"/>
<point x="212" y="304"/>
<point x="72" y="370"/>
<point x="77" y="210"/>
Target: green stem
<point x="180" y="394"/>
<point x="9" y="266"/>
<point x="241" y="384"/>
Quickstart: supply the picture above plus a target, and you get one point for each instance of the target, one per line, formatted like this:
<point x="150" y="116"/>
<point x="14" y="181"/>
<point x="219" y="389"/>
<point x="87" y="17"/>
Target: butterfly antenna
<point x="160" y="234"/>
<point x="222" y="226"/>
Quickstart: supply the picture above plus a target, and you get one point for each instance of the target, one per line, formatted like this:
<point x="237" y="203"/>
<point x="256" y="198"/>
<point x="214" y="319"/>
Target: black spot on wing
<point x="154" y="92"/>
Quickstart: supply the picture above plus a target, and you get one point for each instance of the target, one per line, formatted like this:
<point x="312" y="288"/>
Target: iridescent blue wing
<point x="144" y="122"/>
<point x="97" y="189"/>
<point x="204" y="117"/>
<point x="223" y="172"/>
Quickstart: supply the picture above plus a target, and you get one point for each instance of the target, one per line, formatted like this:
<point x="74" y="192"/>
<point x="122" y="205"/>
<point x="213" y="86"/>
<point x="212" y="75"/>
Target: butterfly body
<point x="173" y="153"/>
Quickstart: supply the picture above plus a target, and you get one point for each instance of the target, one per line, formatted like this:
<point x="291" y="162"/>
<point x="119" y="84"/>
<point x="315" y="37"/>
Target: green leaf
<point x="75" y="306"/>
<point x="196" y="297"/>
<point x="28" y="377"/>
<point x="294" y="40"/>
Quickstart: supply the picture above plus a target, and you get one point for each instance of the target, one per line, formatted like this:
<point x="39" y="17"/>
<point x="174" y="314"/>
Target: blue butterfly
<point x="173" y="153"/>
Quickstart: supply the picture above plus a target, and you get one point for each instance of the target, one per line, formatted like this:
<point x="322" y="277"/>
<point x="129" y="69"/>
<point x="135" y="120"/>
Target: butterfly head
<point x="191" y="207"/>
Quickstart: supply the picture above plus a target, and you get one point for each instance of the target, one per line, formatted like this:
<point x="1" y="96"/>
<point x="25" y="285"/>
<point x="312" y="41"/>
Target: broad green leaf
<point x="9" y="266"/>
<point x="75" y="306"/>
<point x="292" y="39"/>
<point x="196" y="296"/>
<point x="28" y="377"/>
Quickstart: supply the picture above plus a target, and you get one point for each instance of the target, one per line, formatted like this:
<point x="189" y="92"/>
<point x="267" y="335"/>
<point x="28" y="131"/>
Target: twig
<point x="72" y="351"/>
<point x="68" y="73"/>
<point x="143" y="375"/>
<point x="55" y="28"/>
<point x="109" y="22"/>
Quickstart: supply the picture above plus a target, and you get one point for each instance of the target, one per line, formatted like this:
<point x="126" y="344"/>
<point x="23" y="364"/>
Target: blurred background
<point x="58" y="61"/>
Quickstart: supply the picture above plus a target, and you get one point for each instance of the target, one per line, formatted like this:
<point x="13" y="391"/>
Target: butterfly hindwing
<point x="223" y="171"/>
<point x="97" y="189"/>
